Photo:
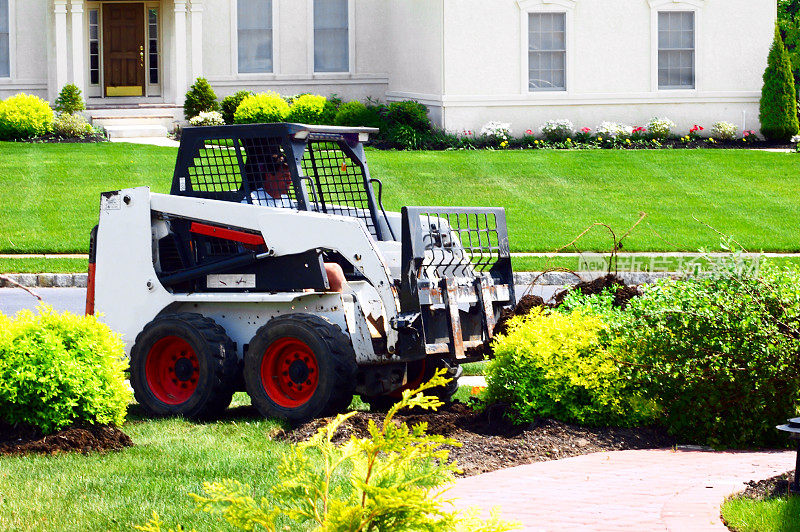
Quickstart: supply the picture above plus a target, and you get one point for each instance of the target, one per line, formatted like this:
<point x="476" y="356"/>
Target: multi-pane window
<point x="255" y="35"/>
<point x="547" y="51"/>
<point x="331" y="36"/>
<point x="94" y="46"/>
<point x="5" y="63"/>
<point x="676" y="50"/>
<point x="152" y="43"/>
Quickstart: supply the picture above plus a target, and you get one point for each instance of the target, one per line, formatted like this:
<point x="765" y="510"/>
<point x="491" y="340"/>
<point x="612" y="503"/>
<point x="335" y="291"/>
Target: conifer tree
<point x="778" y="97"/>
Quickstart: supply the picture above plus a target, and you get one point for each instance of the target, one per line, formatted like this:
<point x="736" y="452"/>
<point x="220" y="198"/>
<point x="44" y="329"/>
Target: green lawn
<point x="770" y="515"/>
<point x="50" y="193"/>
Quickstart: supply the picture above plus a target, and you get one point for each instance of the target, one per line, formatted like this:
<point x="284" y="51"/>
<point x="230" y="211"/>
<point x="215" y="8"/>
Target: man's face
<point x="277" y="183"/>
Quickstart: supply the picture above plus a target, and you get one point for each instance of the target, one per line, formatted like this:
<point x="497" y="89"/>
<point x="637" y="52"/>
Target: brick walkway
<point x="625" y="490"/>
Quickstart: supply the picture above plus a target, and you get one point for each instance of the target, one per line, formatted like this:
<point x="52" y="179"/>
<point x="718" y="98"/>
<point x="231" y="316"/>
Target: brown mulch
<point x="776" y="486"/>
<point x="21" y="439"/>
<point x="490" y="442"/>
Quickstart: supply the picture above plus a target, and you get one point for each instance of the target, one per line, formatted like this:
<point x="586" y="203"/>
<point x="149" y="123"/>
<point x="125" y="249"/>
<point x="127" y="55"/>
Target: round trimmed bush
<point x="24" y="116"/>
<point x="58" y="370"/>
<point x="231" y="103"/>
<point x="409" y="113"/>
<point x="200" y="98"/>
<point x="261" y="108"/>
<point x="356" y="114"/>
<point x="558" y="366"/>
<point x="307" y="109"/>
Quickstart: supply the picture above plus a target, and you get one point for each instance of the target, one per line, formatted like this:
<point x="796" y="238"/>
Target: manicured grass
<point x="50" y="193"/>
<point x="41" y="265"/>
<point x="770" y="515"/>
<point x="474" y="368"/>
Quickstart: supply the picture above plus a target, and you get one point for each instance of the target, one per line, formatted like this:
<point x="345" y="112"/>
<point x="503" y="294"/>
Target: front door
<point x="123" y="49"/>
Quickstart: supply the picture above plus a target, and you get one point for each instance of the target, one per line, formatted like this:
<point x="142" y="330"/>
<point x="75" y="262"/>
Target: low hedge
<point x="58" y="370"/>
<point x="265" y="107"/>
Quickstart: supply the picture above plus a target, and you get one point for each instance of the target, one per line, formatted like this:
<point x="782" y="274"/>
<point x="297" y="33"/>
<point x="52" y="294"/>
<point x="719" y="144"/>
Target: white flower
<point x="210" y="118"/>
<point x="796" y="139"/>
<point x="660" y="128"/>
<point x="613" y="130"/>
<point x="557" y="130"/>
<point x="498" y="130"/>
<point x="723" y="131"/>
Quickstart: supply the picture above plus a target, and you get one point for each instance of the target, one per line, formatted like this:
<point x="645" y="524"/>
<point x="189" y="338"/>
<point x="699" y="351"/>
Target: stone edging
<point x="79" y="280"/>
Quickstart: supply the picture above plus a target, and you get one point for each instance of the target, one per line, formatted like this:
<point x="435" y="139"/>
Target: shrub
<point x="70" y="100"/>
<point x="613" y="130"/>
<point x="356" y="114"/>
<point x="408" y="113"/>
<point x="557" y="130"/>
<point x="496" y="130"/>
<point x="390" y="480"/>
<point x="264" y="107"/>
<point x="557" y="365"/>
<point x="721" y="353"/>
<point x="210" y="118"/>
<point x="332" y="105"/>
<point x="24" y="116"/>
<point x="660" y="128"/>
<point x="723" y="131"/>
<point x="201" y="97"/>
<point x="307" y="109"/>
<point x="60" y="369"/>
<point x="778" y="113"/>
<point x="231" y="103"/>
<point x="71" y="126"/>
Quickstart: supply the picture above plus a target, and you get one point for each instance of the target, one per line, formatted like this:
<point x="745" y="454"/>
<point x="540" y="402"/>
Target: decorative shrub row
<point x="713" y="358"/>
<point x="24" y="116"/>
<point x="60" y="369"/>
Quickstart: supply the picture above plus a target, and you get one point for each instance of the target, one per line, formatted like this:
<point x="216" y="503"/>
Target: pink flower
<point x="640" y="129"/>
<point x="529" y="132"/>
<point x="585" y="130"/>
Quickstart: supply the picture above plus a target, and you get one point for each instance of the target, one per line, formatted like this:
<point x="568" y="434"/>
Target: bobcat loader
<point x="272" y="267"/>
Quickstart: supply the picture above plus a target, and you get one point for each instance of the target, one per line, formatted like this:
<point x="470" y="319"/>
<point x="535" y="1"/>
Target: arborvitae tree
<point x="200" y="98"/>
<point x="778" y="97"/>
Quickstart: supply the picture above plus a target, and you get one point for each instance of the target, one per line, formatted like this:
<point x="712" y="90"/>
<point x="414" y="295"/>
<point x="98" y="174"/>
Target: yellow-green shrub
<point x="557" y="365"/>
<point x="264" y="107"/>
<point x="307" y="109"/>
<point x="24" y="116"/>
<point x="60" y="369"/>
<point x="71" y="126"/>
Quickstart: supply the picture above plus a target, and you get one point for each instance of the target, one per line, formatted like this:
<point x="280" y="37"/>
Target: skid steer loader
<point x="272" y="267"/>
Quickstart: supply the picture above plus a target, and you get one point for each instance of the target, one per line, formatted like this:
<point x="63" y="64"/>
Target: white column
<point x="197" y="39"/>
<point x="179" y="78"/>
<point x="78" y="63"/>
<point x="60" y="11"/>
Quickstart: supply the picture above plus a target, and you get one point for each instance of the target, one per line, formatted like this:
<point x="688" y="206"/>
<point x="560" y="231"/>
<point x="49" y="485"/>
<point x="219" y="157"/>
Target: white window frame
<point x="351" y="43"/>
<point x="12" y="43"/>
<point x="567" y="7"/>
<point x="276" y="46"/>
<point x="660" y="6"/>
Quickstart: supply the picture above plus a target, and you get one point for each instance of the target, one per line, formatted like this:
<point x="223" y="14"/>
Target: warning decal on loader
<point x="231" y="280"/>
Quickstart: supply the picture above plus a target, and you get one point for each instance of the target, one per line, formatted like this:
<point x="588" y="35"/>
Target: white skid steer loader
<point x="271" y="267"/>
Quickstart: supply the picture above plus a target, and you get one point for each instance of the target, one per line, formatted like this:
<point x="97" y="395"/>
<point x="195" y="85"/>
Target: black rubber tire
<point x="382" y="403"/>
<point x="335" y="359"/>
<point x="217" y="358"/>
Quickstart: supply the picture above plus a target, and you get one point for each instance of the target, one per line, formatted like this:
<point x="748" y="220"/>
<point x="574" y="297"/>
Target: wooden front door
<point x="123" y="49"/>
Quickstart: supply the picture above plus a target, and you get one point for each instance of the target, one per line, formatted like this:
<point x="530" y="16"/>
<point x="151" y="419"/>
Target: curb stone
<point x="80" y="280"/>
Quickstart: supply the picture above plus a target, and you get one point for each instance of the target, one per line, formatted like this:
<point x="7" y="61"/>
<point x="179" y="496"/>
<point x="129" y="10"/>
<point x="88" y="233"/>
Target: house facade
<point x="469" y="61"/>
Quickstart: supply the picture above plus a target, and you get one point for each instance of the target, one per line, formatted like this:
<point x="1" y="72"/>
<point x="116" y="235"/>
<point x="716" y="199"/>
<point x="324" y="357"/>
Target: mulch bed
<point x="776" y="486"/>
<point x="490" y="442"/>
<point x="52" y="138"/>
<point x="21" y="439"/>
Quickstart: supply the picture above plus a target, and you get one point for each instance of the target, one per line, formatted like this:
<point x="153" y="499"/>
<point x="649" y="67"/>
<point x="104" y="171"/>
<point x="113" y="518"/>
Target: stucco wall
<point x="293" y="52"/>
<point x="29" y="49"/>
<point x="611" y="53"/>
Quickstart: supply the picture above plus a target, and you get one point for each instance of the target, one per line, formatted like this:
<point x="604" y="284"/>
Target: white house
<point x="469" y="61"/>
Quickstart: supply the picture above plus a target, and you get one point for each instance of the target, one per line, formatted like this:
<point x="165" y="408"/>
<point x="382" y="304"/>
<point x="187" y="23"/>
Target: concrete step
<point x="136" y="131"/>
<point x="166" y="121"/>
<point x="116" y="112"/>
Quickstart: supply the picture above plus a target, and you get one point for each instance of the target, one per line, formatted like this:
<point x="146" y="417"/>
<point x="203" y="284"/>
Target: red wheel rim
<point x="289" y="372"/>
<point x="172" y="370"/>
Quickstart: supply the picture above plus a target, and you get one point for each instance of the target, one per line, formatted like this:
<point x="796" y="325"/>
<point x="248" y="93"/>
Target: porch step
<point x="136" y="131"/>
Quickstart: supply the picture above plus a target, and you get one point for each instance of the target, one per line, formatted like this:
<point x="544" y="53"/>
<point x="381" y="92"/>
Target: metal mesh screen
<point x="215" y="168"/>
<point x="461" y="241"/>
<point x="338" y="182"/>
<point x="266" y="170"/>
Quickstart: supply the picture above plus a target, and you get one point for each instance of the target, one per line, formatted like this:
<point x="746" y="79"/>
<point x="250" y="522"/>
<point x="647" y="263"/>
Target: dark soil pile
<point x="24" y="440"/>
<point x="622" y="292"/>
<point x="766" y="489"/>
<point x="490" y="442"/>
